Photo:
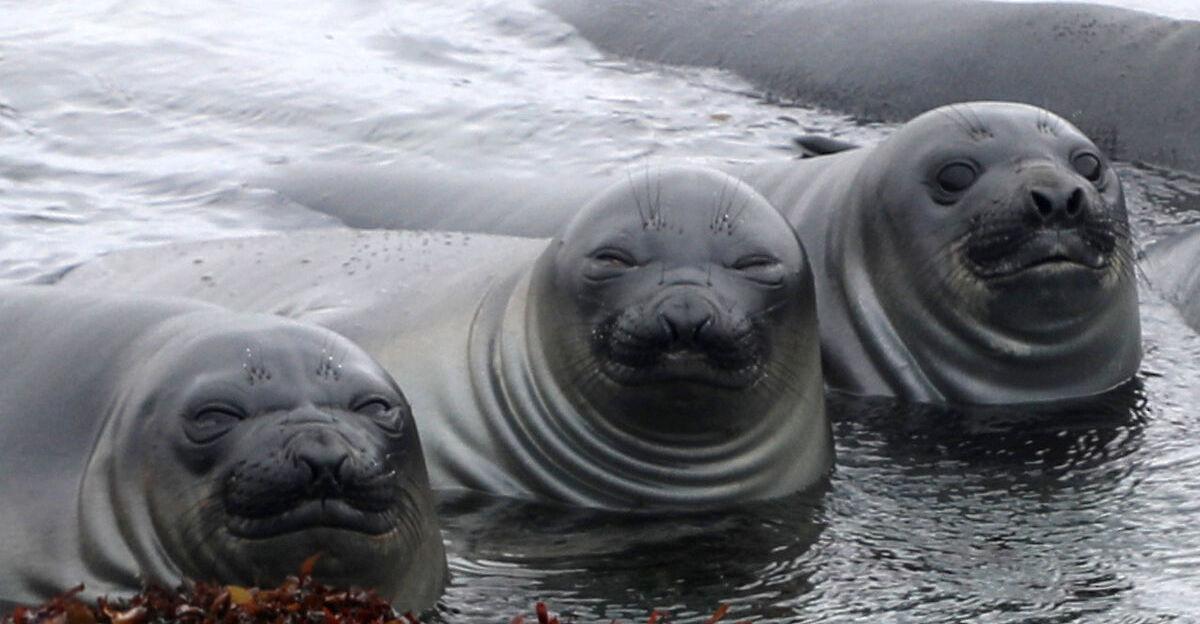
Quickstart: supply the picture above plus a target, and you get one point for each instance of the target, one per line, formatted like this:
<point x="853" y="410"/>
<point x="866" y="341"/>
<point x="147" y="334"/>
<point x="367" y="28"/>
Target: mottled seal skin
<point x="152" y="440"/>
<point x="662" y="353"/>
<point x="980" y="255"/>
<point x="1173" y="268"/>
<point x="1112" y="72"/>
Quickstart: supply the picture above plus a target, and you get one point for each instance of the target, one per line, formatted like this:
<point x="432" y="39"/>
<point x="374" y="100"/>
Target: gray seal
<point x="1112" y="72"/>
<point x="152" y="440"/>
<point x="981" y="254"/>
<point x="662" y="353"/>
<point x="1173" y="267"/>
<point x="918" y="287"/>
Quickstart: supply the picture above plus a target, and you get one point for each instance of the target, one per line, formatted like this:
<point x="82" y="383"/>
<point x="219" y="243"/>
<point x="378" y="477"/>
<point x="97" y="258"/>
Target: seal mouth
<point x="730" y="359"/>
<point x="266" y="498"/>
<point x="332" y="513"/>
<point x="1045" y="251"/>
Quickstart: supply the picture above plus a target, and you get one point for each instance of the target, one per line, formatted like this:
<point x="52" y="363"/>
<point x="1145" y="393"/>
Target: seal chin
<point x="310" y="514"/>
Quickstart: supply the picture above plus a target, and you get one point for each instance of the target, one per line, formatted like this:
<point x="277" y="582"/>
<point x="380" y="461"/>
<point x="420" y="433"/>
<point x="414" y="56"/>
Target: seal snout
<point x="326" y="457"/>
<point x="680" y="334"/>
<point x="1054" y="222"/>
<point x="684" y="318"/>
<point x="322" y="473"/>
<point x="1050" y="207"/>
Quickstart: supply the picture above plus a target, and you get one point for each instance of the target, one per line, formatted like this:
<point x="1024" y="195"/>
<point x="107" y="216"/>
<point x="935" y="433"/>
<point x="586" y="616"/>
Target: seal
<point x="1173" y="268"/>
<point x="981" y="254"/>
<point x="891" y="60"/>
<point x="904" y="313"/>
<point x="153" y="440"/>
<point x="662" y="353"/>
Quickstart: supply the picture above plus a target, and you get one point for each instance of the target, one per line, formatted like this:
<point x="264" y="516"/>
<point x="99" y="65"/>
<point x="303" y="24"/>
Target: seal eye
<point x="609" y="262"/>
<point x="372" y="406"/>
<point x="760" y="268"/>
<point x="211" y="422"/>
<point x="389" y="417"/>
<point x="956" y="177"/>
<point x="1088" y="165"/>
<point x="614" y="259"/>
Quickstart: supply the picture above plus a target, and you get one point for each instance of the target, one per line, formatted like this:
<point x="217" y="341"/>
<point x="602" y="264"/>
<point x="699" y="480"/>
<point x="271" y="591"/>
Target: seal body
<point x="662" y="353"/>
<point x="152" y="440"/>
<point x="981" y="254"/>
<point x="1112" y="72"/>
<point x="1173" y="267"/>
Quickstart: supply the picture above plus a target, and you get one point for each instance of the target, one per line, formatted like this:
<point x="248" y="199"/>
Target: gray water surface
<point x="126" y="123"/>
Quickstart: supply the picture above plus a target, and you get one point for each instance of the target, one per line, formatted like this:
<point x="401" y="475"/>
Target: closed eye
<point x="212" y="421"/>
<point x="372" y="406"/>
<point x="761" y="268"/>
<point x="614" y="258"/>
<point x="749" y="263"/>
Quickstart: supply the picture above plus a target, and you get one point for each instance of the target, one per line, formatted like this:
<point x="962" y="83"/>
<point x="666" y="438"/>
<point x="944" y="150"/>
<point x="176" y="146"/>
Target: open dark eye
<point x="614" y="258"/>
<point x="956" y="177"/>
<point x="1089" y="166"/>
<point x="388" y="415"/>
<point x="211" y="422"/>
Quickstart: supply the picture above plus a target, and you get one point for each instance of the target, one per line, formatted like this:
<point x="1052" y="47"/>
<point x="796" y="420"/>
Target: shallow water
<point x="126" y="123"/>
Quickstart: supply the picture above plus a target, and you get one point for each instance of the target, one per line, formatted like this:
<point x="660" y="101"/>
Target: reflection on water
<point x="125" y="123"/>
<point x="598" y="565"/>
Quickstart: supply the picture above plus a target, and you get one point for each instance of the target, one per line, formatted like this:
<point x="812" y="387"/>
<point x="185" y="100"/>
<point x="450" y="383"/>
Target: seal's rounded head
<point x="988" y="199"/>
<point x="282" y="441"/>
<point x="674" y="286"/>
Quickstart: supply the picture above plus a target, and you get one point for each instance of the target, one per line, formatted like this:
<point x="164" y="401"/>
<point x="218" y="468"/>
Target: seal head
<point x="678" y="301"/>
<point x="255" y="447"/>
<point x="996" y="240"/>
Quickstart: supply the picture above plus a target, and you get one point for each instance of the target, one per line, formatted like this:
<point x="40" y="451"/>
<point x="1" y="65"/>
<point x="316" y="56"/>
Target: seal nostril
<point x="326" y="473"/>
<point x="668" y="327"/>
<point x="1075" y="203"/>
<point x="1042" y="204"/>
<point x="701" y="327"/>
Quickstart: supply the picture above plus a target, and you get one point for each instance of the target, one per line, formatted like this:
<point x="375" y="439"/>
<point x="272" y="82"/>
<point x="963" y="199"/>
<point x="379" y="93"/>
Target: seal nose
<point x="1051" y="205"/>
<point x="685" y="316"/>
<point x="325" y="454"/>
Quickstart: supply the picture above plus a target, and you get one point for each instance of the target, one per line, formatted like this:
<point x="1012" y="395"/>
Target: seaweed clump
<point x="299" y="599"/>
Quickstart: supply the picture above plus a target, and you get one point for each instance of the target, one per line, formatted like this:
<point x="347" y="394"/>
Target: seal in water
<point x="662" y="353"/>
<point x="1113" y="72"/>
<point x="152" y="440"/>
<point x="981" y="254"/>
<point x="1173" y="267"/>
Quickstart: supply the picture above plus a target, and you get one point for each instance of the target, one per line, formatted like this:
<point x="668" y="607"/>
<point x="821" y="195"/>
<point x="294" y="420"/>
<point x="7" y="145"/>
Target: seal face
<point x="674" y="296"/>
<point x="290" y="442"/>
<point x="1007" y="211"/>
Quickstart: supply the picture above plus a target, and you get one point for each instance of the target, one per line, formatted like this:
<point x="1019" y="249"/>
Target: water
<point x="126" y="123"/>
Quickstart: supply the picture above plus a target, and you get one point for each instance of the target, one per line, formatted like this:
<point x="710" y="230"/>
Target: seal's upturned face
<point x="676" y="289"/>
<point x="283" y="443"/>
<point x="1007" y="210"/>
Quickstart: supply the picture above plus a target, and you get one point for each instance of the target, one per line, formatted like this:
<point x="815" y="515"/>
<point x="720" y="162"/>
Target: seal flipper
<point x="814" y="145"/>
